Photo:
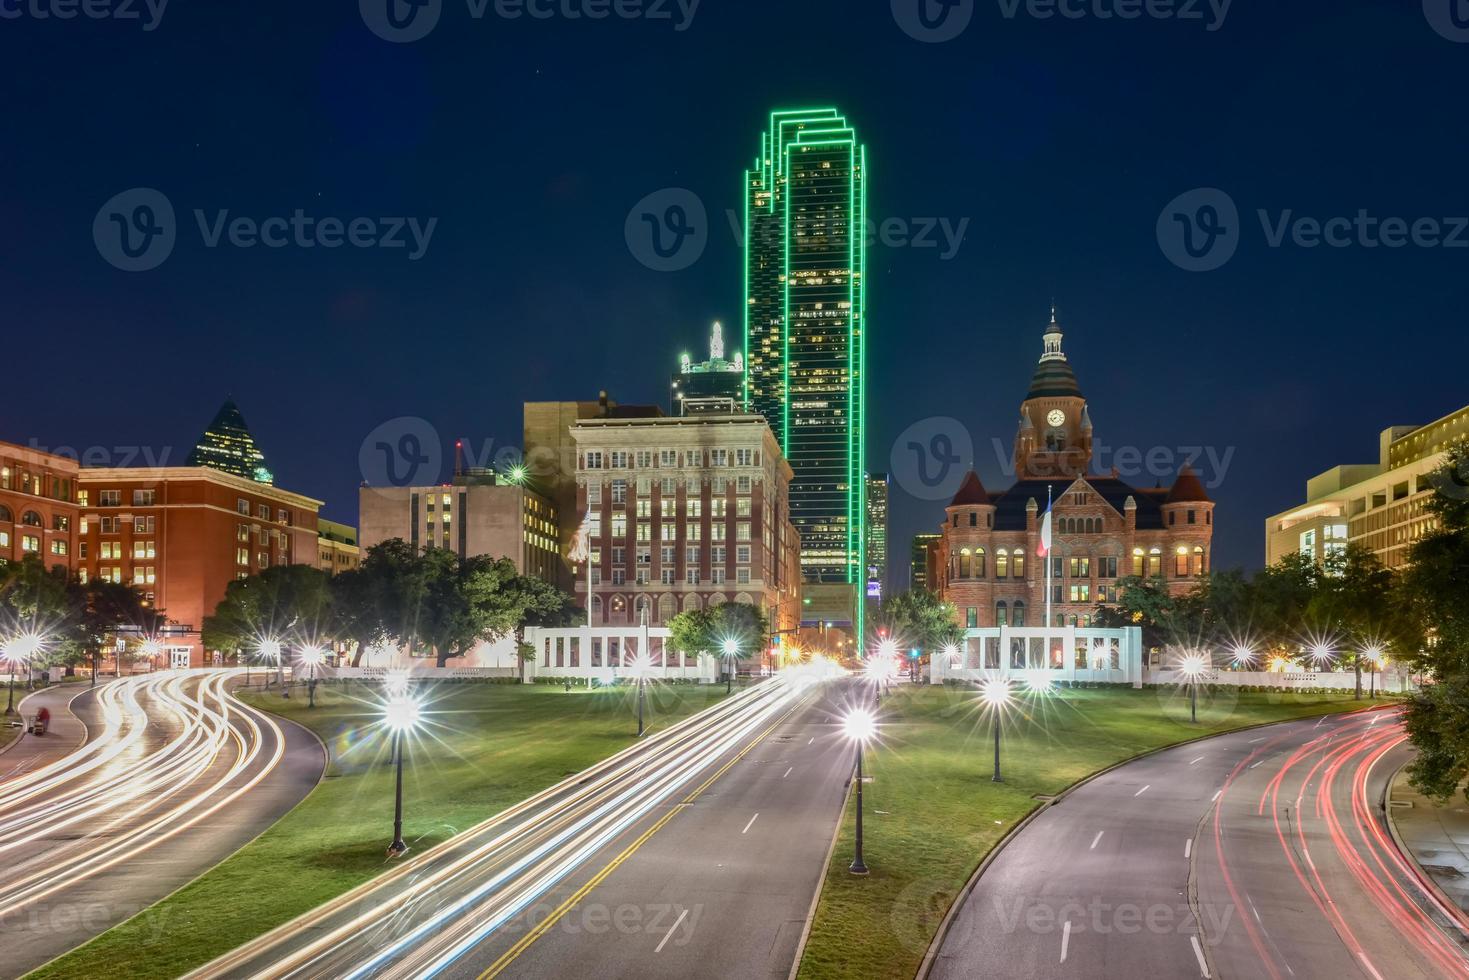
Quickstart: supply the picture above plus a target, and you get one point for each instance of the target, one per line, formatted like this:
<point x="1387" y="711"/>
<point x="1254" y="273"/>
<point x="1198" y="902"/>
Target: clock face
<point x="1057" y="418"/>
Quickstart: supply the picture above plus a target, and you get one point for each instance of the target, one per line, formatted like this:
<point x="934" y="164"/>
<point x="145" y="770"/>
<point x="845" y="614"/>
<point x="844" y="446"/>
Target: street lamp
<point x="1244" y="656"/>
<point x="269" y="650"/>
<point x="731" y="651"/>
<point x="401" y="715"/>
<point x="18" y="650"/>
<point x="996" y="695"/>
<point x="1378" y="660"/>
<point x="640" y="668"/>
<point x="860" y="726"/>
<point x="151" y="648"/>
<point x="313" y="656"/>
<point x="1193" y="667"/>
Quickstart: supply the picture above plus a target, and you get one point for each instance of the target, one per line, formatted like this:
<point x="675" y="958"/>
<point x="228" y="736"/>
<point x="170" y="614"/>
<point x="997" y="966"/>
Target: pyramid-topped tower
<point x="228" y="446"/>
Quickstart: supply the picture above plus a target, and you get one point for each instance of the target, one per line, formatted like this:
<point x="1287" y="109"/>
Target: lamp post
<point x="19" y="650"/>
<point x="860" y="725"/>
<point x="401" y="715"/>
<point x="1193" y="667"/>
<point x="1378" y="660"/>
<point x="312" y="656"/>
<point x="641" y="665"/>
<point x="270" y="650"/>
<point x="995" y="693"/>
<point x="731" y="651"/>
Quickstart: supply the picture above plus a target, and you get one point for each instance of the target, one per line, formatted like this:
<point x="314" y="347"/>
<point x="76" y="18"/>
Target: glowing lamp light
<point x="152" y="648"/>
<point x="1244" y="656"/>
<point x="396" y="682"/>
<point x="1321" y="654"/>
<point x="641" y="667"/>
<point x="1193" y="666"/>
<point x="887" y="649"/>
<point x="23" y="648"/>
<point x="860" y="725"/>
<point x="269" y="650"/>
<point x="1039" y="681"/>
<point x="313" y="656"/>
<point x="1376" y="656"/>
<point x="952" y="652"/>
<point x="995" y="692"/>
<point x="731" y="647"/>
<point x="401" y="714"/>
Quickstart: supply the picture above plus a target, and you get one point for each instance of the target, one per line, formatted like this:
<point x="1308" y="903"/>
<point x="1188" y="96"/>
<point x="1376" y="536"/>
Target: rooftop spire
<point x="716" y="342"/>
<point x="1053" y="376"/>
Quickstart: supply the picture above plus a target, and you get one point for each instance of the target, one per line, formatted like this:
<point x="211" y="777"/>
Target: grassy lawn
<point x="486" y="747"/>
<point x="932" y="812"/>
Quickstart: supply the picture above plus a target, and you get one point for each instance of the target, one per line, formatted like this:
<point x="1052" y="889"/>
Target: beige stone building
<point x="336" y="547"/>
<point x="987" y="562"/>
<point x="480" y="513"/>
<point x="685" y="513"/>
<point x="1377" y="505"/>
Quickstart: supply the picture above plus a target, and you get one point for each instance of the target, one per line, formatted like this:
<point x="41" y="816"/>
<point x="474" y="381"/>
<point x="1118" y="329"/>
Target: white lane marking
<point x="669" y="934"/>
<point x="1375" y="718"/>
<point x="1143" y="790"/>
<point x="1258" y="764"/>
<point x="1197" y="761"/>
<point x="1260" y="739"/>
<point x="1188" y="848"/>
<point x="789" y="771"/>
<point x="1096" y="840"/>
<point x="1199" y="955"/>
<point x="1065" y="940"/>
<point x="1307" y="852"/>
<point x="1217" y="794"/>
<point x="811" y="739"/>
<point x="1368" y="963"/>
<point x="1318" y="724"/>
<point x="750" y="824"/>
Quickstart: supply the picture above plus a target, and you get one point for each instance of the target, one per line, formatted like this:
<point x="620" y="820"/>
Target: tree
<point x="107" y="610"/>
<point x="919" y="618"/>
<point x="703" y="632"/>
<point x="40" y="601"/>
<point x="536" y="603"/>
<point x="1355" y="604"/>
<point x="1435" y="591"/>
<point x="285" y="604"/>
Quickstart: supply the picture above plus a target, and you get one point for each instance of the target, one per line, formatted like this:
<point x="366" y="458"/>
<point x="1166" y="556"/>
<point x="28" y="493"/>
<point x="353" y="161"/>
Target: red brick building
<point x="1103" y="530"/>
<point x="38" y="509"/>
<point x="182" y="534"/>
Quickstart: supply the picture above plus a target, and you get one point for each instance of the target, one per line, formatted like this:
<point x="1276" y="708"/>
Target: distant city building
<point x="684" y="514"/>
<point x="920" y="558"/>
<point x="227" y="446"/>
<point x="182" y="534"/>
<point x="805" y="326"/>
<point x="877" y="534"/>
<point x="1377" y="505"/>
<point x="337" y="549"/>
<point x="718" y="377"/>
<point x="1103" y="530"/>
<point x="38" y="509"/>
<point x="479" y="514"/>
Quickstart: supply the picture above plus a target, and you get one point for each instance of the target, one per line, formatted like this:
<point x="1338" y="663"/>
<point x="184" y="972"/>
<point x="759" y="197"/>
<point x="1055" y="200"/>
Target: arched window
<point x="1019" y="619"/>
<point x="1180" y="564"/>
<point x="1155" y="563"/>
<point x="667" y="608"/>
<point x="744" y="599"/>
<point x="1073" y="620"/>
<point x="1002" y="563"/>
<point x="6" y="517"/>
<point x="717" y="599"/>
<point x="31" y="519"/>
<point x="596" y="609"/>
<point x="690" y="603"/>
<point x="1002" y="614"/>
<point x="642" y="604"/>
<point x="617" y="609"/>
<point x="1139" y="568"/>
<point x="1019" y="563"/>
<point x="979" y="562"/>
<point x="966" y="564"/>
<point x="1201" y="561"/>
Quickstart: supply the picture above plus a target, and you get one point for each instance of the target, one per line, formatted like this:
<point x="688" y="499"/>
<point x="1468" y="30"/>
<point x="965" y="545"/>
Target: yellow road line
<point x="525" y="942"/>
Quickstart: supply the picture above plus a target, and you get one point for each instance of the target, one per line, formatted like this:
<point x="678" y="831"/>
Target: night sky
<point x="1060" y="141"/>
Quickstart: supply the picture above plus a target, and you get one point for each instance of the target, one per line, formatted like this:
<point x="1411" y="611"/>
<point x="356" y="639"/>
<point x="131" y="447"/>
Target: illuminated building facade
<point x="227" y="446"/>
<point x="919" y="560"/>
<point x="1380" y="506"/>
<point x="987" y="561"/>
<point x="336" y="547"/>
<point x="718" y="377"/>
<point x="877" y="534"/>
<point x="805" y="259"/>
<point x="38" y="509"/>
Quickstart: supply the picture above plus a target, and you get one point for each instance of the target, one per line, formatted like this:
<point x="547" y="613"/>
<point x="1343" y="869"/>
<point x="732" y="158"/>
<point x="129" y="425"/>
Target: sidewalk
<point x="1437" y="838"/>
<point x="30" y="752"/>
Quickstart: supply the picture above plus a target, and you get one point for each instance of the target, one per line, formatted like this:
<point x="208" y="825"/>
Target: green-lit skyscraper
<point x="228" y="446"/>
<point x="805" y="257"/>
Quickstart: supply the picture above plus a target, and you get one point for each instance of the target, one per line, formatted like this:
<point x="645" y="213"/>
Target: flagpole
<point x="1047" y="546"/>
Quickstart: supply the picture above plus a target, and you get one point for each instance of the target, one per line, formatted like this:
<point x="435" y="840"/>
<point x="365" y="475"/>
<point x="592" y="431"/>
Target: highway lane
<point x="430" y="913"/>
<point x="174" y="776"/>
<point x="722" y="890"/>
<point x="1257" y="854"/>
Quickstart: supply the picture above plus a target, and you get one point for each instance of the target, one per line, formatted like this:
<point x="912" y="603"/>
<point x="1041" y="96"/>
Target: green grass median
<point x="932" y="812"/>
<point x="484" y="748"/>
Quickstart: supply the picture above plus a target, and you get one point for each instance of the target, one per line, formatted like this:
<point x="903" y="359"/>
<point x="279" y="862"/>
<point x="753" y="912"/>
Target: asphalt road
<point x="1258" y="854"/>
<point x="174" y="776"/>
<point x="696" y="846"/>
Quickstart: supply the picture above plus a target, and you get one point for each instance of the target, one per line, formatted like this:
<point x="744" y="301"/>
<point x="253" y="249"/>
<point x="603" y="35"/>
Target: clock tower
<point x="1055" y="437"/>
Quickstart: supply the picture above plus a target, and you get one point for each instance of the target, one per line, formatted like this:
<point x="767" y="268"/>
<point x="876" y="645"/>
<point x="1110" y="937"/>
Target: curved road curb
<point x="69" y="701"/>
<point x="934" y="947"/>
<point x="1411" y="860"/>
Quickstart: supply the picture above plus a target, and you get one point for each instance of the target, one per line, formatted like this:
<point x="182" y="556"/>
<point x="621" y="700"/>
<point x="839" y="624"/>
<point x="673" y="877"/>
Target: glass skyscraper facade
<point x="227" y="446"/>
<point x="805" y="257"/>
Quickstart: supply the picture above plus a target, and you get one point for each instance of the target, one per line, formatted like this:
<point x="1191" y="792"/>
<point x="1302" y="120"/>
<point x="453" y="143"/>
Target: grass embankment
<point x="485" y="748"/>
<point x="932" y="812"/>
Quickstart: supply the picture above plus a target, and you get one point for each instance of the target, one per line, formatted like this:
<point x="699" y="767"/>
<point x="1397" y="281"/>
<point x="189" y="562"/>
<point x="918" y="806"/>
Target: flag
<point x="1045" y="545"/>
<point x="581" y="545"/>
